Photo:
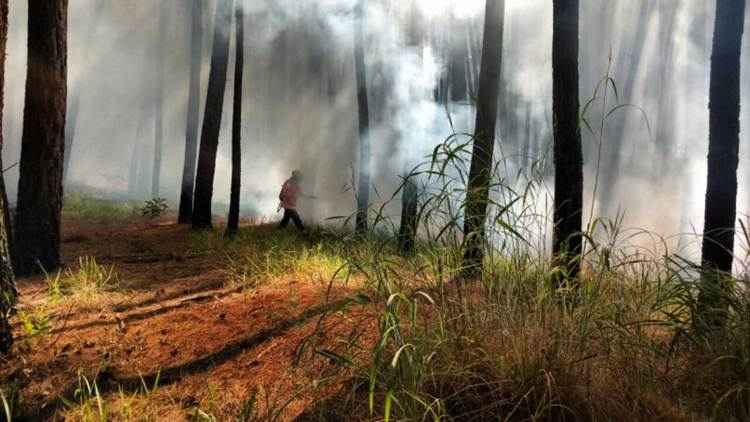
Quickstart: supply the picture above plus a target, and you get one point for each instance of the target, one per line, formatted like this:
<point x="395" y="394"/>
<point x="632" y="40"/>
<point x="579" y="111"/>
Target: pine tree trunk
<point x="217" y="79"/>
<point x="40" y="190"/>
<point x="159" y="103"/>
<point x="410" y="205"/>
<point x="133" y="170"/>
<point x="567" y="239"/>
<point x="233" y="221"/>
<point x="193" y="114"/>
<point x="8" y="291"/>
<point x="723" y="159"/>
<point x="363" y="189"/>
<point x="480" y="172"/>
<point x="526" y="160"/>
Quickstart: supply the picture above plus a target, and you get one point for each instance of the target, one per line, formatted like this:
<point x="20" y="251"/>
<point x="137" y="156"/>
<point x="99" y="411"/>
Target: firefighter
<point x="290" y="192"/>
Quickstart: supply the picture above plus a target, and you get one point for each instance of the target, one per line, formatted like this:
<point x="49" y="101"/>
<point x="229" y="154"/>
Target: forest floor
<point x="168" y="325"/>
<point x="149" y="321"/>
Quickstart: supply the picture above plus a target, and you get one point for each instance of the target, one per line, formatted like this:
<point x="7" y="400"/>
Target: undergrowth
<point x="83" y="283"/>
<point x="92" y="209"/>
<point x="266" y="253"/>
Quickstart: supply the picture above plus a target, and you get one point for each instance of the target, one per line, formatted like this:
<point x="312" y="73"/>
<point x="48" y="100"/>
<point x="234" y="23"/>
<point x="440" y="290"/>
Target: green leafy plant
<point x="154" y="208"/>
<point x="35" y="323"/>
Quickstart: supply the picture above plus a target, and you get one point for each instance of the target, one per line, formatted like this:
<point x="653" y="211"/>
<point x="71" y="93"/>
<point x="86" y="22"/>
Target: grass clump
<point x="36" y="322"/>
<point x="86" y="282"/>
<point x="262" y="254"/>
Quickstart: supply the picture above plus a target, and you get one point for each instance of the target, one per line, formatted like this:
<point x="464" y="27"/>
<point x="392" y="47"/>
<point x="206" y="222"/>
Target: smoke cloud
<point x="300" y="97"/>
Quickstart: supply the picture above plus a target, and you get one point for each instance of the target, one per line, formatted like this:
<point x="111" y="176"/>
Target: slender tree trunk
<point x="528" y="138"/>
<point x="217" y="80"/>
<point x="234" y="202"/>
<point x="457" y="66"/>
<point x="133" y="170"/>
<point x="40" y="190"/>
<point x="410" y="205"/>
<point x="8" y="291"/>
<point x="471" y="65"/>
<point x="159" y="103"/>
<point x="193" y="114"/>
<point x="723" y="159"/>
<point x="568" y="153"/>
<point x="480" y="172"/>
<point x="363" y="190"/>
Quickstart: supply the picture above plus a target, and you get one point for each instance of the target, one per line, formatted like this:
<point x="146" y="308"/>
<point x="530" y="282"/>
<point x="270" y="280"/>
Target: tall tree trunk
<point x="568" y="153"/>
<point x="217" y="80"/>
<point x="40" y="190"/>
<point x="480" y="172"/>
<point x="457" y="65"/>
<point x="193" y="114"/>
<point x="133" y="170"/>
<point x="363" y="189"/>
<point x="234" y="202"/>
<point x="410" y="206"/>
<point x="159" y="102"/>
<point x="526" y="147"/>
<point x="723" y="159"/>
<point x="8" y="291"/>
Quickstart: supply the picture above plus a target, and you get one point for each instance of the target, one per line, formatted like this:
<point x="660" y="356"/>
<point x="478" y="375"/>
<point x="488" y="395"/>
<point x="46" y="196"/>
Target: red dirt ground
<point x="210" y="344"/>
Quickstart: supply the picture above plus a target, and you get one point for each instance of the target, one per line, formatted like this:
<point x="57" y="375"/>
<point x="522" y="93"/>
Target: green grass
<point x="509" y="345"/>
<point x="512" y="346"/>
<point x="84" y="283"/>
<point x="88" y="208"/>
<point x="264" y="253"/>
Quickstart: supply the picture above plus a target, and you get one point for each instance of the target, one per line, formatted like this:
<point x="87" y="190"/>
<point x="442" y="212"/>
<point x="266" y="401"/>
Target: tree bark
<point x="480" y="171"/>
<point x="567" y="239"/>
<point x="723" y="159"/>
<point x="8" y="293"/>
<point x="185" y="215"/>
<point x="233" y="221"/>
<point x="363" y="189"/>
<point x="40" y="190"/>
<point x="217" y="79"/>
<point x="410" y="205"/>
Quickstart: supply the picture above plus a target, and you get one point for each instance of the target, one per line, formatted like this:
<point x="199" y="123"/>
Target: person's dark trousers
<point x="294" y="216"/>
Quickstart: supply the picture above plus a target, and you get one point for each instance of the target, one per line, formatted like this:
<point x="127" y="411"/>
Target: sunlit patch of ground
<point x="153" y="321"/>
<point x="175" y="325"/>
